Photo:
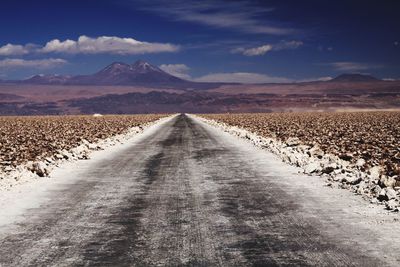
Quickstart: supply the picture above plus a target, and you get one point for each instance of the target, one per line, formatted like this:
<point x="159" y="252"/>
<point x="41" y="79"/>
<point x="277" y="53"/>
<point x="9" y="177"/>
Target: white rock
<point x="390" y="193"/>
<point x="382" y="195"/>
<point x="338" y="177"/>
<point x="85" y="142"/>
<point x="387" y="181"/>
<point x="351" y="180"/>
<point x="316" y="152"/>
<point x="49" y="160"/>
<point x="376" y="190"/>
<point x="360" y="162"/>
<point x="303" y="149"/>
<point x="344" y="163"/>
<point x="392" y="205"/>
<point x="66" y="154"/>
<point x="374" y="200"/>
<point x="375" y="172"/>
<point x="81" y="152"/>
<point x="292" y="141"/>
<point x="8" y="168"/>
<point x="361" y="188"/>
<point x="40" y="169"/>
<point x="93" y="146"/>
<point x="312" y="167"/>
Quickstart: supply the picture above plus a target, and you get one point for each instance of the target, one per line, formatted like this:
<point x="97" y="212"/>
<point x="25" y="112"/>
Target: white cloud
<point x="178" y="70"/>
<point x="241" y="77"/>
<point x="13" y="50"/>
<point x="285" y="45"/>
<point x="106" y="45"/>
<point x="262" y="50"/>
<point x="16" y="63"/>
<point x="256" y="51"/>
<point x="88" y="45"/>
<point x="318" y="79"/>
<point x="352" y="66"/>
<point x="181" y="71"/>
<point x="235" y="15"/>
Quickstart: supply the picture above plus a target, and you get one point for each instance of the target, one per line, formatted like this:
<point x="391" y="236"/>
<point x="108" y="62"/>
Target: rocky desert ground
<point x="32" y="146"/>
<point x="359" y="151"/>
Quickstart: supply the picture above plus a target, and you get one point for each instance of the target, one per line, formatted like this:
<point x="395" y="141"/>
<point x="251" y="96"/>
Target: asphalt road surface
<point x="185" y="196"/>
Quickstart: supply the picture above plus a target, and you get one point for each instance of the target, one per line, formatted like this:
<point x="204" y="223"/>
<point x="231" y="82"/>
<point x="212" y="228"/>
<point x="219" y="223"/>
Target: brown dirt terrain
<point x="54" y="93"/>
<point x="32" y="138"/>
<point x="34" y="99"/>
<point x="372" y="136"/>
<point x="311" y="88"/>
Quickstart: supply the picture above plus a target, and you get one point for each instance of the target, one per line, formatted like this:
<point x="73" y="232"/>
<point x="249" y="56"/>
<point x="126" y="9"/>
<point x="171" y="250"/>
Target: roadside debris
<point x="350" y="157"/>
<point x="31" y="147"/>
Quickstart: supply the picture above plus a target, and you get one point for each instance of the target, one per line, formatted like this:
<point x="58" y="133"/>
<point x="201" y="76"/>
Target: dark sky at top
<point x="258" y="41"/>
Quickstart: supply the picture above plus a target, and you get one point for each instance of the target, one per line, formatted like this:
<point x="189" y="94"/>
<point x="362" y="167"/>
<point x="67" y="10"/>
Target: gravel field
<point x="360" y="150"/>
<point x="35" y="142"/>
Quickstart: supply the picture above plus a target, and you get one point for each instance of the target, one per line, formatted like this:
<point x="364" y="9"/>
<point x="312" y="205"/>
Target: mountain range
<point x="117" y="73"/>
<point x="355" y="77"/>
<point x="144" y="73"/>
<point x="140" y="87"/>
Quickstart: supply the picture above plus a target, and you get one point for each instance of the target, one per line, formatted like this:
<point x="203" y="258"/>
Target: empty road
<point x="186" y="194"/>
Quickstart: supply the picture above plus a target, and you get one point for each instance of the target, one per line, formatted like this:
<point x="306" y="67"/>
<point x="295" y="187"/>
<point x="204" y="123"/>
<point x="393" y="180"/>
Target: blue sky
<point x="247" y="41"/>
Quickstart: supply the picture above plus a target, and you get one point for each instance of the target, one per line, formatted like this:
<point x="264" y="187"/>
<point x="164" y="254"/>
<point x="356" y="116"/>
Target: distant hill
<point x="140" y="73"/>
<point x="122" y="88"/>
<point x="47" y="79"/>
<point x="10" y="97"/>
<point x="119" y="73"/>
<point x="355" y="78"/>
<point x="144" y="74"/>
<point x="35" y="99"/>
